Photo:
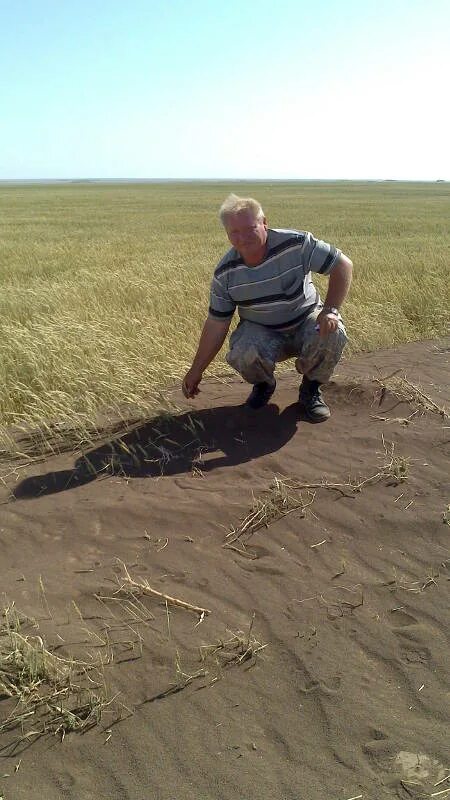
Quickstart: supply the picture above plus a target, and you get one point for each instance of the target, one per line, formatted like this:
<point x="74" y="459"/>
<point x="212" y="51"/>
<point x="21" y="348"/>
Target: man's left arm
<point x="338" y="287"/>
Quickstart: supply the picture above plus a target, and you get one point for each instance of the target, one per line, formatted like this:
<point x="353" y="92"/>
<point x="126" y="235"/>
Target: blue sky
<point x="205" y="89"/>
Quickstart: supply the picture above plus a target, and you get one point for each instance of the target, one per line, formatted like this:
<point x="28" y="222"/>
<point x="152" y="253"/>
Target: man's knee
<point x="245" y="358"/>
<point x="338" y="340"/>
<point x="251" y="363"/>
<point x="320" y="355"/>
<point x="332" y="344"/>
<point x="331" y="349"/>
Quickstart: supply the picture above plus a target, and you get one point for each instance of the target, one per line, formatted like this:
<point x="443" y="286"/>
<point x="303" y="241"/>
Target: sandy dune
<point x="349" y="591"/>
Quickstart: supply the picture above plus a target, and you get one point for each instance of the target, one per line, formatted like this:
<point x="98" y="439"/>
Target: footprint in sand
<point x="379" y="745"/>
<point x="419" y="771"/>
<point x="401" y="619"/>
<point x="253" y="566"/>
<point x="259" y="550"/>
<point x="330" y="688"/>
<point x="175" y="575"/>
<point x="422" y="772"/>
<point x="410" y="635"/>
<point x="414" y="655"/>
<point x="411" y="644"/>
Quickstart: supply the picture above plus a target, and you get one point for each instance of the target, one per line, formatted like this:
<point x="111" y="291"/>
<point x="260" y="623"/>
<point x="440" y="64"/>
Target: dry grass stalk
<point x="285" y="495"/>
<point x="337" y="607"/>
<point x="128" y="586"/>
<point x="396" y="467"/>
<point x="443" y="780"/>
<point x="415" y="587"/>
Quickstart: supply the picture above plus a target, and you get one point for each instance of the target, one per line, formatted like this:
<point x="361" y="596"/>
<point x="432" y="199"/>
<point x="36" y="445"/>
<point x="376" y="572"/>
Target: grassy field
<point x="104" y="287"/>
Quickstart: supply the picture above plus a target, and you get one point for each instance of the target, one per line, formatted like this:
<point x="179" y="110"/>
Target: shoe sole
<point x="316" y="420"/>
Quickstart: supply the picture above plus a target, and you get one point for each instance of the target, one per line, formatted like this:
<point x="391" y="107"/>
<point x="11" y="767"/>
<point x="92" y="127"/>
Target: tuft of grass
<point x="51" y="694"/>
<point x="237" y="649"/>
<point x="406" y="391"/>
<point x="231" y="651"/>
<point x="276" y="502"/>
<point x="396" y="466"/>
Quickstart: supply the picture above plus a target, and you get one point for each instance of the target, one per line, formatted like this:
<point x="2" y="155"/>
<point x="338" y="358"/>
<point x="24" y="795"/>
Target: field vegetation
<point x="104" y="287"/>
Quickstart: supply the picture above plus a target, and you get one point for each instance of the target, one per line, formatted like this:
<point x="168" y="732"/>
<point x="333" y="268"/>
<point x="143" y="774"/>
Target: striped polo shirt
<point x="279" y="292"/>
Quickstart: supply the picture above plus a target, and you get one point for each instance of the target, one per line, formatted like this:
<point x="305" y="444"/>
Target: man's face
<point x="248" y="235"/>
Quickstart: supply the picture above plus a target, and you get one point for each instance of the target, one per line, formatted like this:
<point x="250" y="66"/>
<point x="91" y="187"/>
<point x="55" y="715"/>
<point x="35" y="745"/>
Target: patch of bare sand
<point x="349" y="590"/>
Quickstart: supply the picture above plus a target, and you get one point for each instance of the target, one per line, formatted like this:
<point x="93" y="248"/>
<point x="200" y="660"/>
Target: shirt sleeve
<point x="221" y="306"/>
<point x="319" y="256"/>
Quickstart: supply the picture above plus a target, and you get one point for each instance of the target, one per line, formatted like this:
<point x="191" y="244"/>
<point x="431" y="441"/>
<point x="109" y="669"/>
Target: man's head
<point x="246" y="227"/>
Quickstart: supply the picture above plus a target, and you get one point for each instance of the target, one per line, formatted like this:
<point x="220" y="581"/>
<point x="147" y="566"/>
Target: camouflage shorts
<point x="255" y="349"/>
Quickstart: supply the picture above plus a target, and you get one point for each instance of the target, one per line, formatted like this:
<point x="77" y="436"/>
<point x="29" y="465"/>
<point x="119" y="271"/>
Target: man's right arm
<point x="211" y="340"/>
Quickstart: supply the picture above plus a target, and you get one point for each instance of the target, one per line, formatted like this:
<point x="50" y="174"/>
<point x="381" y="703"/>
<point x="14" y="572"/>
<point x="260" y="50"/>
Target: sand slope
<point x="350" y="696"/>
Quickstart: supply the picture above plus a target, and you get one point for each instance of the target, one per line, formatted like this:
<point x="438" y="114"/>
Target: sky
<point x="236" y="89"/>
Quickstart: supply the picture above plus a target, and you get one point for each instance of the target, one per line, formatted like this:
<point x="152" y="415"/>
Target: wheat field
<point x="104" y="287"/>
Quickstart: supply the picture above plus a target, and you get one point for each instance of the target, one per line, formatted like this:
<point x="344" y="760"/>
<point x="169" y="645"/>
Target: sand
<point x="348" y="591"/>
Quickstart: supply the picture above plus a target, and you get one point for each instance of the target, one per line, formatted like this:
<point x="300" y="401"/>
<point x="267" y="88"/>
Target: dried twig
<point x="130" y="586"/>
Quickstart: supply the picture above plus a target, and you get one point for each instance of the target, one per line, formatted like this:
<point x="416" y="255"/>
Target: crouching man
<point x="267" y="276"/>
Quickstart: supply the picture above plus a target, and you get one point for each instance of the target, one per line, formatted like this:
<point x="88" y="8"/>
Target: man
<point x="267" y="276"/>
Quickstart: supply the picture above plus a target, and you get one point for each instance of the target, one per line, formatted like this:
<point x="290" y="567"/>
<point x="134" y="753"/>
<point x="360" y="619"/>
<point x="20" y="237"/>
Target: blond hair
<point x="234" y="204"/>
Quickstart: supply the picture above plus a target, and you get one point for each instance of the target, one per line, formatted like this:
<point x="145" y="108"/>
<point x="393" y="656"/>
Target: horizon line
<point x="223" y="180"/>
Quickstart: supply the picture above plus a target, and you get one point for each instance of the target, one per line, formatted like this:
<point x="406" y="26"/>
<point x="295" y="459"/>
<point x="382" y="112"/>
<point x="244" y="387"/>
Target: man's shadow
<point x="171" y="445"/>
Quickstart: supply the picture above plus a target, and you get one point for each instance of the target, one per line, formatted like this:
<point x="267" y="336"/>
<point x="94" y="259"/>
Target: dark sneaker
<point x="260" y="395"/>
<point x="311" y="401"/>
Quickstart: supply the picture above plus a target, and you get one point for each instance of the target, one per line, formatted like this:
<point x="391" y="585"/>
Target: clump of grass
<point x="406" y="391"/>
<point x="52" y="694"/>
<point x="276" y="502"/>
<point x="231" y="651"/>
<point x="396" y="466"/>
<point x="237" y="649"/>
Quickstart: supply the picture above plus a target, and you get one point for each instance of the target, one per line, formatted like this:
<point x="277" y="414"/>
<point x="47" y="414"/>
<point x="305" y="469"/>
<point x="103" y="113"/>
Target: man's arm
<point x="338" y="286"/>
<point x="211" y="340"/>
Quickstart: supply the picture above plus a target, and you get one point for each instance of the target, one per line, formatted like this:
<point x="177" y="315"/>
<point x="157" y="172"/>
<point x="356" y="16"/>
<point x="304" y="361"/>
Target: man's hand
<point x="327" y="323"/>
<point x="213" y="336"/>
<point x="190" y="383"/>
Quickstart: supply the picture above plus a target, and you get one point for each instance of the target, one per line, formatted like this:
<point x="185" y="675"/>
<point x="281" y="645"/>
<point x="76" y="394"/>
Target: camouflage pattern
<point x="255" y="349"/>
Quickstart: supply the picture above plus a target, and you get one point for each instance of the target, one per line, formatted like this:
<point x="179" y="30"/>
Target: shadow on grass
<point x="172" y="445"/>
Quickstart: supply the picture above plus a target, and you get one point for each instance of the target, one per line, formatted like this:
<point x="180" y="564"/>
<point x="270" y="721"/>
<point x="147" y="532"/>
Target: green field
<point x="104" y="287"/>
